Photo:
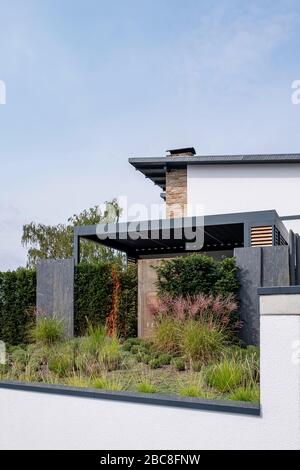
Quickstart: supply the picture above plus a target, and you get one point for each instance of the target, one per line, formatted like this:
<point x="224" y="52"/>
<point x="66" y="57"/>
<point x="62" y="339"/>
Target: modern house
<point x="250" y="208"/>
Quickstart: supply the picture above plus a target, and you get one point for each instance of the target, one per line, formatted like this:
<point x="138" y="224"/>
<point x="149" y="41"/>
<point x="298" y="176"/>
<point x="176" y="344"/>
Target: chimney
<point x="186" y="152"/>
<point x="176" y="185"/>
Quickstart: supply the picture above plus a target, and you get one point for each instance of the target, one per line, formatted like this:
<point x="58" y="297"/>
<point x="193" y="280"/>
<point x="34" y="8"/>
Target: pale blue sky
<point x="91" y="83"/>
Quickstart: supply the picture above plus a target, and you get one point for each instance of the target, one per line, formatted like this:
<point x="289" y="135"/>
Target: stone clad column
<point x="147" y="292"/>
<point x="176" y="193"/>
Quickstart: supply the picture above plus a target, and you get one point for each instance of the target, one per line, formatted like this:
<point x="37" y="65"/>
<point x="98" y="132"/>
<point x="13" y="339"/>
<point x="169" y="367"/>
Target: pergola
<point x="172" y="237"/>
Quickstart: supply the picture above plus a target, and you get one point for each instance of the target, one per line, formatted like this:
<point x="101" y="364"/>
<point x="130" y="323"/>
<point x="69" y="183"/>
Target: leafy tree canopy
<point x="56" y="241"/>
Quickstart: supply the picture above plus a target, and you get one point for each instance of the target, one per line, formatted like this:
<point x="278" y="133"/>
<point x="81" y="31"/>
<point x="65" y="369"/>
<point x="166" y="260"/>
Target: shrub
<point x="47" y="330"/>
<point x="195" y="274"/>
<point x="165" y="359"/>
<point x="146" y="387"/>
<point x="178" y="363"/>
<point x="225" y="376"/>
<point x="127" y="345"/>
<point x="227" y="282"/>
<point x="135" y="349"/>
<point x="17" y="303"/>
<point x="201" y="341"/>
<point x="245" y="394"/>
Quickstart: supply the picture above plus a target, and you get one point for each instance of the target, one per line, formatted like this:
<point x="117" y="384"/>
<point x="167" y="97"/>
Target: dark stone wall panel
<point x="276" y="268"/>
<point x="55" y="291"/>
<point x="259" y="267"/>
<point x="249" y="262"/>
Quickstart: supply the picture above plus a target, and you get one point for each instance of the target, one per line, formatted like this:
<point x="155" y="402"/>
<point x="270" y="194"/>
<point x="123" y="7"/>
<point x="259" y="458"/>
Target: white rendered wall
<point x="242" y="188"/>
<point x="38" y="421"/>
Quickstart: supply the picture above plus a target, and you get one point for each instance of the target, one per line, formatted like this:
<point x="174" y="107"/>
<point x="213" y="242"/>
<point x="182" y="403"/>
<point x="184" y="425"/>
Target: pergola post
<point x="76" y="249"/>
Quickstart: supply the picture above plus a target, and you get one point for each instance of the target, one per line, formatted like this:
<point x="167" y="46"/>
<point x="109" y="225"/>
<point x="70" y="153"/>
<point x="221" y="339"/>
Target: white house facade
<point x="223" y="188"/>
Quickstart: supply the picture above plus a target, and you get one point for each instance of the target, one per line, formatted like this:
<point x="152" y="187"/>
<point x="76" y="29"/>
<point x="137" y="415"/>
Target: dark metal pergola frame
<point x="221" y="232"/>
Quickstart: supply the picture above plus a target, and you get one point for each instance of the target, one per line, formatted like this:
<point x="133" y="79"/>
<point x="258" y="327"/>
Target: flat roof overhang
<point x="167" y="236"/>
<point x="155" y="168"/>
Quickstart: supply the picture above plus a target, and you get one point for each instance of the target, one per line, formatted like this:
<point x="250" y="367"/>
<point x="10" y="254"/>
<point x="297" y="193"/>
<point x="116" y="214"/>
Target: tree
<point x="56" y="242"/>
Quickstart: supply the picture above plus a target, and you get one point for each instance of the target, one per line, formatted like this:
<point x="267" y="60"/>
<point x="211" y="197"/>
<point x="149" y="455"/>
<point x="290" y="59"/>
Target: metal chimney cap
<point x="190" y="151"/>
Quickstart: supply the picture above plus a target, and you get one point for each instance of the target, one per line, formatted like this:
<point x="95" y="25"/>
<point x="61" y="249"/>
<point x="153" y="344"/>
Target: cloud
<point x="229" y="45"/>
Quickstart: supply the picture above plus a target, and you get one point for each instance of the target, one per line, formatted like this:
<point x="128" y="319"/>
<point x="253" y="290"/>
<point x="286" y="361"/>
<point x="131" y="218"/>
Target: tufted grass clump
<point x="193" y="387"/>
<point x="95" y="339"/>
<point x="60" y="362"/>
<point x="201" y="342"/>
<point x="47" y="330"/>
<point x="113" y="384"/>
<point x="226" y="375"/>
<point x="178" y="363"/>
<point x="77" y="381"/>
<point x="250" y="394"/>
<point x="167" y="335"/>
<point x="146" y="387"/>
<point x="110" y="357"/>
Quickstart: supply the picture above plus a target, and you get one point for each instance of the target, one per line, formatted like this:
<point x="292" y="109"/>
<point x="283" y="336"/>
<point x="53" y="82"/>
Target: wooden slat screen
<point x="262" y="236"/>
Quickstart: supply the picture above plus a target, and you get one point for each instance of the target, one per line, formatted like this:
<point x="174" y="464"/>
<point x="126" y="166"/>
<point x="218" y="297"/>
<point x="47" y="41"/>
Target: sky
<point x="90" y="83"/>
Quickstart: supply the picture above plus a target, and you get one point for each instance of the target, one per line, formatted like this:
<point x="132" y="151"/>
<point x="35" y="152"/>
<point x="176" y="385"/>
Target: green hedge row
<point x="93" y="299"/>
<point x="94" y="289"/>
<point x="195" y="274"/>
<point x="17" y="303"/>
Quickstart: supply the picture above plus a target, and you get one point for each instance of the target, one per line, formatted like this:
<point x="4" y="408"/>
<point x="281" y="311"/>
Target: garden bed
<point x="194" y="350"/>
<point x="100" y="362"/>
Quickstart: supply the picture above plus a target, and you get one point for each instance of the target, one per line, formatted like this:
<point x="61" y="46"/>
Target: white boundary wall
<point x="31" y="420"/>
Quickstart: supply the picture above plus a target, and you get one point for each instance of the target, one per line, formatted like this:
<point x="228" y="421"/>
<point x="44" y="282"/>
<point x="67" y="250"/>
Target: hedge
<point x="17" y="303"/>
<point x="94" y="289"/>
<point x="127" y="312"/>
<point x="93" y="297"/>
<point x="195" y="274"/>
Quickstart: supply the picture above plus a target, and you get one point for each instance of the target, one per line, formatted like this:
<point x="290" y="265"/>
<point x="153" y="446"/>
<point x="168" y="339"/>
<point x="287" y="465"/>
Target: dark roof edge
<point x="155" y="168"/>
<point x="213" y="159"/>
